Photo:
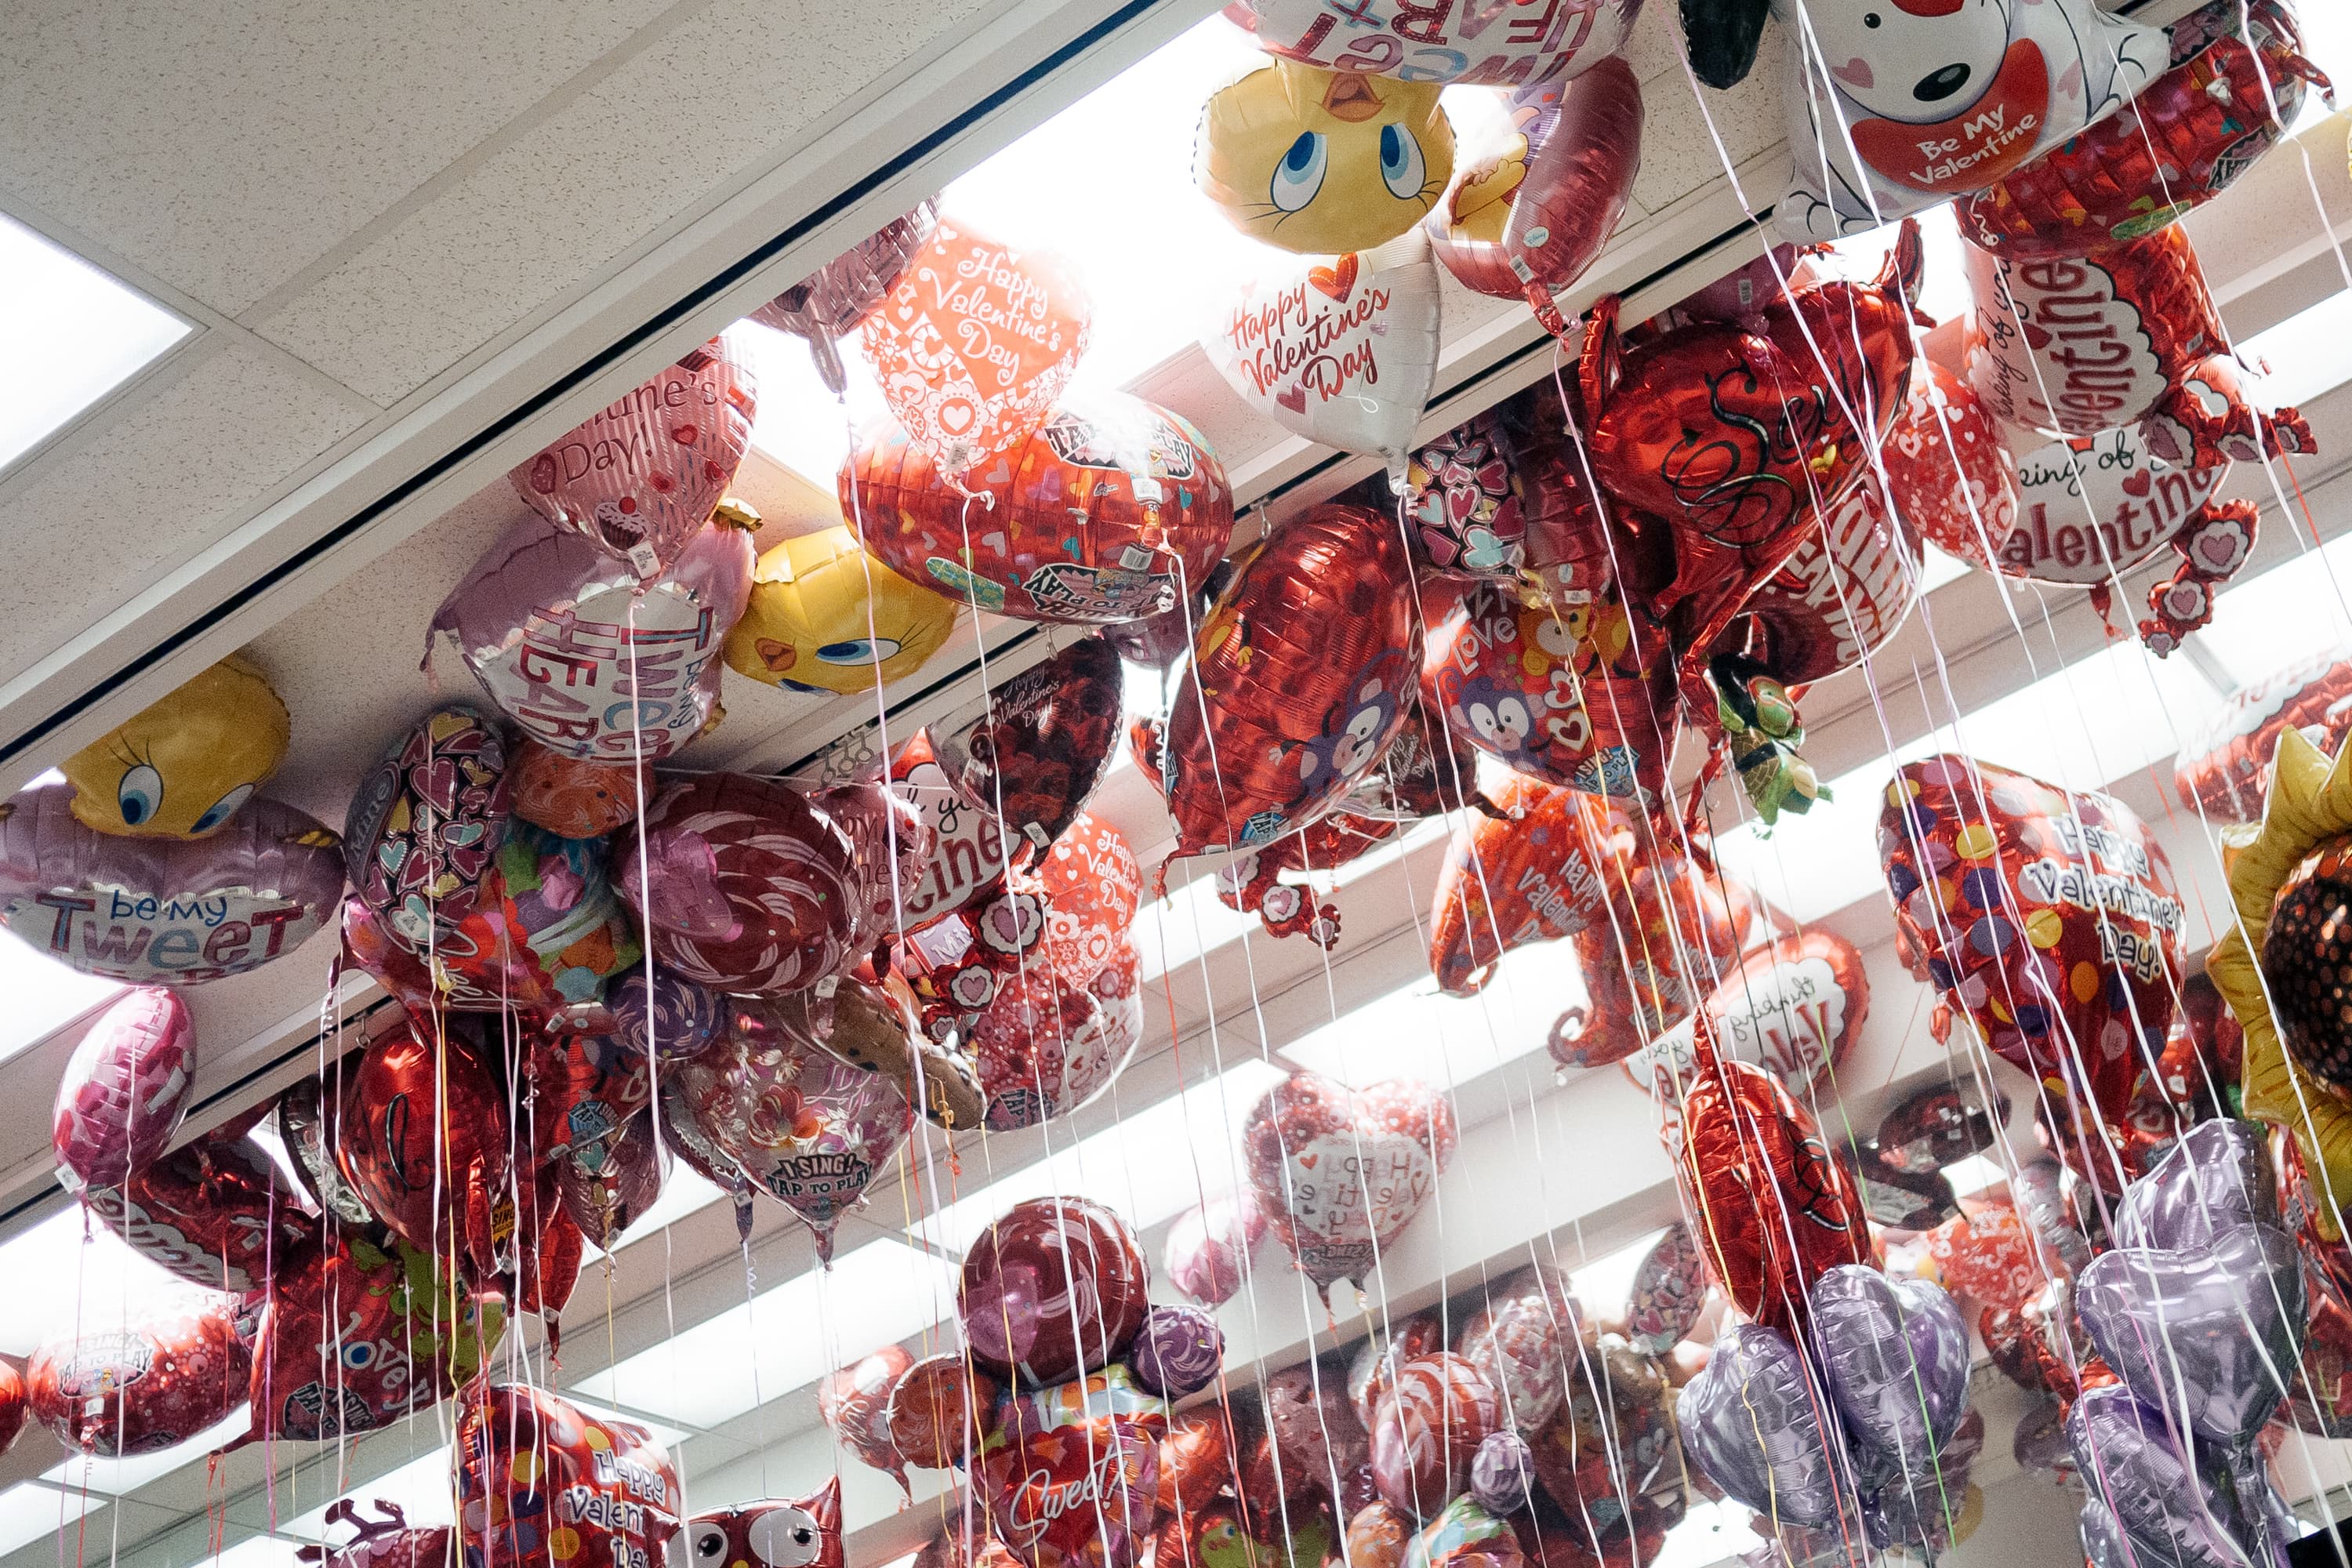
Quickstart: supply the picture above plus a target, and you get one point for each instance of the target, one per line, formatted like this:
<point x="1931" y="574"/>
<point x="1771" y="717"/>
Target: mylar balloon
<point x="542" y="1483"/>
<point x="1795" y="1008"/>
<point x="1341" y="349"/>
<point x="544" y="933"/>
<point x="170" y="1373"/>
<point x="1428" y="1427"/>
<point x="1053" y="1288"/>
<point x="1839" y="597"/>
<point x="622" y="1185"/>
<point x="387" y="1541"/>
<point x="1110" y="511"/>
<point x="2152" y="1501"/>
<point x="1254" y="883"/>
<point x="588" y="658"/>
<point x="1891" y="120"/>
<point x="423" y="824"/>
<point x="803" y="1533"/>
<point x="1750" y="1422"/>
<point x="825" y="615"/>
<point x="1299" y="677"/>
<point x="855" y="1403"/>
<point x="1043" y="1047"/>
<point x="747" y="887"/>
<point x="124" y="1089"/>
<point x="1511" y="44"/>
<point x="574" y="798"/>
<point x="1462" y="503"/>
<point x="639" y="478"/>
<point x="973" y="346"/>
<point x="1179" y="1351"/>
<point x="889" y="845"/>
<point x="1950" y="477"/>
<point x="1775" y="1208"/>
<point x="182" y="766"/>
<point x="1040" y="746"/>
<point x="2092" y="508"/>
<point x="1209" y="1247"/>
<point x="426" y="1144"/>
<point x="1738" y="439"/>
<point x="830" y="302"/>
<point x="161" y="912"/>
<point x="1524" y="1338"/>
<point x="2235" y="84"/>
<point x="1895" y="1355"/>
<point x="1536" y="214"/>
<point x="1323" y="162"/>
<point x="1721" y="38"/>
<point x="1373" y="1367"/>
<point x="1093" y="888"/>
<point x="1080" y="1496"/>
<point x="2049" y="919"/>
<point x="1668" y="1293"/>
<point x="1340" y="1173"/>
<point x="807" y="1128"/>
<point x="970" y="853"/>
<point x="661" y="1014"/>
<point x="212" y="1212"/>
<point x="943" y="1410"/>
<point x="310" y="1126"/>
<point x="2224" y="772"/>
<point x="1545" y="873"/>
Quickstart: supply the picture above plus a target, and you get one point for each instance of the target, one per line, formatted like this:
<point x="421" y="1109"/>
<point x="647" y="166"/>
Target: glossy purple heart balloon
<point x="2165" y="1507"/>
<point x="2217" y="1176"/>
<point x="1896" y="1357"/>
<point x="2220" y="1327"/>
<point x="1916" y="1501"/>
<point x="1760" y="1431"/>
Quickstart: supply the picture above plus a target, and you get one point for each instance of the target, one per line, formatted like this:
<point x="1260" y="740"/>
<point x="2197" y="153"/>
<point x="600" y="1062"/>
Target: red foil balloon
<point x="1645" y="969"/>
<point x="969" y="854"/>
<point x="2050" y="922"/>
<point x="542" y="1484"/>
<point x="855" y="1403"/>
<point x="641" y="477"/>
<point x="1196" y="1459"/>
<point x="1840" y="597"/>
<point x="550" y="1248"/>
<point x="625" y="1184"/>
<point x="1372" y="1369"/>
<point x="1545" y="869"/>
<point x="1339" y="1173"/>
<point x="173" y="1372"/>
<point x="1739" y="440"/>
<point x="574" y="798"/>
<point x="1795" y="1007"/>
<point x="1775" y="1209"/>
<point x="426" y="1144"/>
<point x="1080" y="1496"/>
<point x="1102" y="516"/>
<point x="1301" y="675"/>
<point x="1044" y="1046"/>
<point x="124" y="1089"/>
<point x="213" y="1212"/>
<point x="1430" y="1424"/>
<point x="1950" y="476"/>
<point x="14" y="1404"/>
<point x="748" y="888"/>
<point x="1093" y="888"/>
<point x="2225" y="773"/>
<point x="2181" y="141"/>
<point x="1052" y="1288"/>
<point x="1309" y="1437"/>
<point x="803" y="1533"/>
<point x="1041" y="746"/>
<point x="1537" y="214"/>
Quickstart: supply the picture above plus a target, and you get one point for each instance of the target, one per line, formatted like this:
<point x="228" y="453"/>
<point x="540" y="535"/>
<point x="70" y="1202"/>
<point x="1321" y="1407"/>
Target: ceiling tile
<point x="225" y="147"/>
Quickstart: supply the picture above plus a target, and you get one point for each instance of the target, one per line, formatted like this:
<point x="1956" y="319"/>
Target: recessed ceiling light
<point x="70" y="334"/>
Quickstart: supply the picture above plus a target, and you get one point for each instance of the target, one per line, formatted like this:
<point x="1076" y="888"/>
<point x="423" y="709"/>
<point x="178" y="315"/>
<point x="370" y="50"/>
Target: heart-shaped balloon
<point x="746" y="886"/>
<point x="541" y="1482"/>
<point x="2212" y="1333"/>
<point x="1306" y="1437"/>
<point x="807" y="1128"/>
<point x="1779" y="1209"/>
<point x="1093" y="889"/>
<point x="854" y="1402"/>
<point x="1301" y="675"/>
<point x="1342" y="351"/>
<point x="2216" y="1176"/>
<point x="2224" y="772"/>
<point x="1040" y="746"/>
<point x="1895" y="1355"/>
<point x="2090" y="507"/>
<point x="1462" y="499"/>
<point x="1669" y="1291"/>
<point x="1105" y="515"/>
<point x="830" y="302"/>
<point x="1340" y="1173"/>
<point x="426" y="822"/>
<point x="2165" y="1506"/>
<point x="1753" y="1422"/>
<point x="586" y="658"/>
<point x="1950" y="476"/>
<point x="1428" y="1428"/>
<point x="124" y="1089"/>
<point x="639" y="478"/>
<point x="889" y="843"/>
<point x="1663" y="946"/>
<point x="1794" y="1007"/>
<point x="1054" y="1288"/>
<point x="1524" y="1338"/>
<point x="213" y="1212"/>
<point x="2048" y="920"/>
<point x="973" y="346"/>
<point x="1547" y="867"/>
<point x="1080" y="1496"/>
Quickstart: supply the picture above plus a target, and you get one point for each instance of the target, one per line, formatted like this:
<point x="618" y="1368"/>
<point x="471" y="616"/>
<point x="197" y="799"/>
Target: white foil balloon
<point x="1341" y="349"/>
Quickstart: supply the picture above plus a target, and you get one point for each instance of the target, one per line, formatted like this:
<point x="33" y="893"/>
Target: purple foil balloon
<point x="832" y="301"/>
<point x="675" y="1018"/>
<point x="1752" y="1424"/>
<point x="2216" y="1176"/>
<point x="2166" y="1508"/>
<point x="2218" y="1326"/>
<point x="1913" y="1501"/>
<point x="562" y="635"/>
<point x="1179" y="1351"/>
<point x="166" y="911"/>
<point x="1501" y="1473"/>
<point x="124" y="1089"/>
<point x="1896" y="1357"/>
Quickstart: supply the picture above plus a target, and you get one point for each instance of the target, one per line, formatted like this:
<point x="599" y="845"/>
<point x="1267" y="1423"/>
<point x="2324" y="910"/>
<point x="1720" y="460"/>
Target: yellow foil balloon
<point x="182" y="767"/>
<point x="808" y="627"/>
<point x="1324" y="162"/>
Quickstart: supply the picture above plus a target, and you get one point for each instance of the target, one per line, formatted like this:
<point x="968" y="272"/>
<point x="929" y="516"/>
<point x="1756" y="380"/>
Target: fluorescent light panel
<point x="70" y="334"/>
<point x="30" y="1510"/>
<point x="117" y="1476"/>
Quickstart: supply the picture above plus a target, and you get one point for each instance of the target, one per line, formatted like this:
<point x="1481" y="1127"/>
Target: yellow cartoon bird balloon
<point x="807" y="628"/>
<point x="183" y="766"/>
<point x="1324" y="162"/>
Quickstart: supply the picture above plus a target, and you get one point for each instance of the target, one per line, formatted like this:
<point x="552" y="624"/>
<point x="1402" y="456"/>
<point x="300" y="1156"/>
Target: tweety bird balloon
<point x="182" y="767"/>
<point x="1321" y="161"/>
<point x="826" y="616"/>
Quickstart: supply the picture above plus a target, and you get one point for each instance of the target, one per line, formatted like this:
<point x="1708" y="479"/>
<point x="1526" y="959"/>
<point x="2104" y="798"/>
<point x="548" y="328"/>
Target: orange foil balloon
<point x="1737" y="440"/>
<point x="1546" y="869"/>
<point x="1537" y="214"/>
<point x="974" y="345"/>
<point x="1096" y="518"/>
<point x="1775" y="1209"/>
<point x="1301" y="674"/>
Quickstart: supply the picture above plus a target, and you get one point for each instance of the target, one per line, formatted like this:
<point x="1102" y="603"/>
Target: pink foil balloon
<point x="1208" y="1251"/>
<point x="124" y="1089"/>
<point x="830" y="302"/>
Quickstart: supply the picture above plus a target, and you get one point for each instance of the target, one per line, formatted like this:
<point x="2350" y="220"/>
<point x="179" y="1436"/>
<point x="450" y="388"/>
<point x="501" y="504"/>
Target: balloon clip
<point x="1763" y="732"/>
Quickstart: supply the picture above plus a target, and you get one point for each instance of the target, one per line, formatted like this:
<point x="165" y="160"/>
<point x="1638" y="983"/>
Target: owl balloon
<point x="802" y="1533"/>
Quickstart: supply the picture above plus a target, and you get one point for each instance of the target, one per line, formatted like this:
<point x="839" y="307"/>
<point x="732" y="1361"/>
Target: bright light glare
<point x="87" y="1286"/>
<point x="70" y="334"/>
<point x="28" y="1511"/>
<point x="421" y="1489"/>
